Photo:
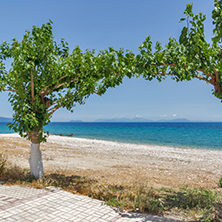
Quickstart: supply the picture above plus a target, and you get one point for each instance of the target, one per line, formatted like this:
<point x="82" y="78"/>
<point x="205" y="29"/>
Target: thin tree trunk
<point x="35" y="159"/>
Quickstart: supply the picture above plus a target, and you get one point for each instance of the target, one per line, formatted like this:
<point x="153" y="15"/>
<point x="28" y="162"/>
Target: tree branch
<point x="202" y="78"/>
<point x="217" y="86"/>
<point x="58" y="101"/>
<point x="57" y="86"/>
<point x="32" y="86"/>
<point x="207" y="73"/>
<point x="216" y="73"/>
<point x="42" y="91"/>
<point x="54" y="109"/>
<point x="54" y="104"/>
<point x="201" y="70"/>
<point x="11" y="90"/>
<point x="214" y="79"/>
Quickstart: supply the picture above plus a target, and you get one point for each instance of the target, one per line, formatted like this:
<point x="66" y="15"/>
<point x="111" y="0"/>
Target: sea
<point x="198" y="135"/>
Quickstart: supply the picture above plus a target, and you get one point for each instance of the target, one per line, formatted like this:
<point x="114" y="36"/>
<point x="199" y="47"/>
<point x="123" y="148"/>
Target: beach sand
<point x="120" y="163"/>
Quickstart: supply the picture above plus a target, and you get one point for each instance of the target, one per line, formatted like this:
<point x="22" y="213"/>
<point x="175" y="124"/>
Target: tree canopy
<point x="191" y="56"/>
<point x="44" y="76"/>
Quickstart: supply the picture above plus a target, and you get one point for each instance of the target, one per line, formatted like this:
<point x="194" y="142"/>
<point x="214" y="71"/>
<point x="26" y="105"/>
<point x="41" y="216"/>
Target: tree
<point x="44" y="76"/>
<point x="190" y="57"/>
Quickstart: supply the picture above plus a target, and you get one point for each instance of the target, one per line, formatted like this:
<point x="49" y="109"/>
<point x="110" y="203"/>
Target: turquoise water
<point x="193" y="135"/>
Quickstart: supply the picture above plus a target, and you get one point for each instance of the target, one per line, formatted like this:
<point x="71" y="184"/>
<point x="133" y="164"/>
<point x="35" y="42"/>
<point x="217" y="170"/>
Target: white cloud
<point x="174" y="115"/>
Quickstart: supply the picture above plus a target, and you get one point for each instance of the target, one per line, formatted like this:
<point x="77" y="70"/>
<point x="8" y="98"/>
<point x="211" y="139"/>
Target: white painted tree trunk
<point x="35" y="161"/>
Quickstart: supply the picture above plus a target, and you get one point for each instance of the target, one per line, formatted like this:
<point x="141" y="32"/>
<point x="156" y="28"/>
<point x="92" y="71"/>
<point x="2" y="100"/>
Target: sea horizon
<point x="198" y="135"/>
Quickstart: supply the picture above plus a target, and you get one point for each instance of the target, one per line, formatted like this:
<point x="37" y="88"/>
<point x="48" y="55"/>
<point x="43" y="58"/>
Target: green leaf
<point x="182" y="19"/>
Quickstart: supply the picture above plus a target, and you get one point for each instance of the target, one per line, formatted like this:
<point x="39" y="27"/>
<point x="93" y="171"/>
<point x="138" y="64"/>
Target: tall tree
<point x="44" y="76"/>
<point x="189" y="57"/>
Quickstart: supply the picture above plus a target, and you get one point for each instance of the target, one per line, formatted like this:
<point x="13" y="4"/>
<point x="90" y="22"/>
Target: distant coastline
<point x="124" y="120"/>
<point x="5" y="119"/>
<point x="133" y="120"/>
<point x="201" y="135"/>
<point x="140" y="120"/>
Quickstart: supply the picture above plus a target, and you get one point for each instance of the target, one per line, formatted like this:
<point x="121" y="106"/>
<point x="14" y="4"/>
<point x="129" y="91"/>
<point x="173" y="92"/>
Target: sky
<point x="99" y="24"/>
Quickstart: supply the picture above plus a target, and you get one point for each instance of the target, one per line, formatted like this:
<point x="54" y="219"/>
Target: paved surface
<point x="29" y="204"/>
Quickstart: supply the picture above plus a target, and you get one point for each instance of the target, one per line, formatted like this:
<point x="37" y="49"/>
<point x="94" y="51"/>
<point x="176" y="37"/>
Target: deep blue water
<point x="193" y="135"/>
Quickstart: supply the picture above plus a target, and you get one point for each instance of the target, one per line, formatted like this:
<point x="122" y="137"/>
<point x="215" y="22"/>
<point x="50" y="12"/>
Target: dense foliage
<point x="45" y="76"/>
<point x="189" y="57"/>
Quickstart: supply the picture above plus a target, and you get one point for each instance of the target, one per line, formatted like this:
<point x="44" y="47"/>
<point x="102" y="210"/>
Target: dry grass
<point x="183" y="203"/>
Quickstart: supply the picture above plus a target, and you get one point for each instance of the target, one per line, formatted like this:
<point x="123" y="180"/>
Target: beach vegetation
<point x="45" y="76"/>
<point x="8" y="171"/>
<point x="3" y="160"/>
<point x="220" y="182"/>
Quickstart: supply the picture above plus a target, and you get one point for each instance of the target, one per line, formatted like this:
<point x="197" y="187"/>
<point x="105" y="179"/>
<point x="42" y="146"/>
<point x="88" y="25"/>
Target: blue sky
<point x="99" y="24"/>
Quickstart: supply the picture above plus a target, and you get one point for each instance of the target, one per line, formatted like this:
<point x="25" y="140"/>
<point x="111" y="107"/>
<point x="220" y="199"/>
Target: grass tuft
<point x="191" y="198"/>
<point x="3" y="160"/>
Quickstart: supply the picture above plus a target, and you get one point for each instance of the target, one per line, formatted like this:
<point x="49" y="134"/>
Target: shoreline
<point x="121" y="142"/>
<point x="157" y="166"/>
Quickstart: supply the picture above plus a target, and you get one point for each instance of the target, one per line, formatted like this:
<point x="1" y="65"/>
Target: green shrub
<point x="192" y="198"/>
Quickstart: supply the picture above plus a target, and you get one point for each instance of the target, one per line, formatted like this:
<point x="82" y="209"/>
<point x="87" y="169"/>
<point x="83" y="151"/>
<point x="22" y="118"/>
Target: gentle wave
<point x="191" y="135"/>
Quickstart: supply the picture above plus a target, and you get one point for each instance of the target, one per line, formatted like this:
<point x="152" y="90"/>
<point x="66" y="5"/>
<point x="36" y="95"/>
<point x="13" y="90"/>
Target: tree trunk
<point x="35" y="159"/>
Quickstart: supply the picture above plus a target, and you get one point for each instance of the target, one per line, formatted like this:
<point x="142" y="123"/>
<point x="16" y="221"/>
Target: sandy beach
<point x="115" y="162"/>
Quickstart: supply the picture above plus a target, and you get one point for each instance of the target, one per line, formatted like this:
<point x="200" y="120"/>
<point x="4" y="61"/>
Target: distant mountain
<point x="140" y="119"/>
<point x="113" y="120"/>
<point x="123" y="120"/>
<point x="75" y="121"/>
<point x="5" y="120"/>
<point x="174" y="120"/>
